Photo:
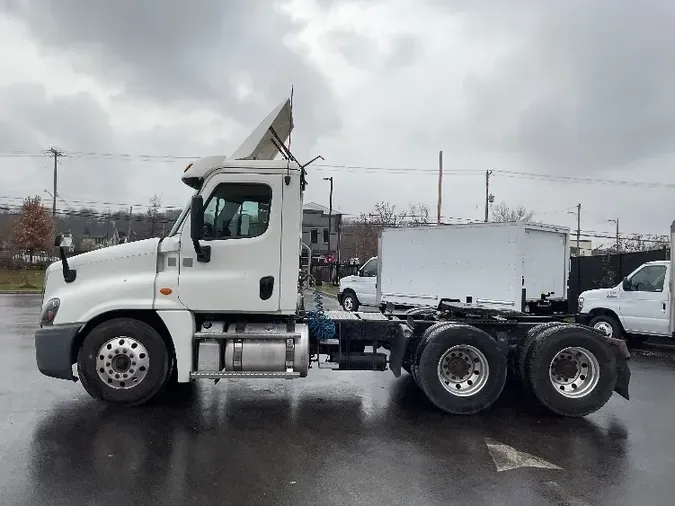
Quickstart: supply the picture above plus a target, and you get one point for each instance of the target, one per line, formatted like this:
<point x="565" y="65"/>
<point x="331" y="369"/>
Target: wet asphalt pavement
<point x="334" y="438"/>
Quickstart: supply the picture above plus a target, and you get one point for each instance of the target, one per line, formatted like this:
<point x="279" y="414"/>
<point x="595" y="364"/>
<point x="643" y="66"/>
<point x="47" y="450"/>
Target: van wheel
<point x="123" y="362"/>
<point x="459" y="368"/>
<point x="350" y="302"/>
<point x="571" y="371"/>
<point x="607" y="324"/>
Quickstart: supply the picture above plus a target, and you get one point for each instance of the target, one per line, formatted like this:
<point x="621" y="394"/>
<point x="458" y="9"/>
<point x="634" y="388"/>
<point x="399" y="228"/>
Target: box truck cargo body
<point x="505" y="265"/>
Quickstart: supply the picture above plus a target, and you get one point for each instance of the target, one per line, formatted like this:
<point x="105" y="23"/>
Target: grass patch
<point x="328" y="289"/>
<point x="21" y="280"/>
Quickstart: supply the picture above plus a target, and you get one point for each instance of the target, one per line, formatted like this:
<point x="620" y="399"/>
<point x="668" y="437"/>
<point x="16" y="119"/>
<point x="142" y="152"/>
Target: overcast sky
<point x="573" y="89"/>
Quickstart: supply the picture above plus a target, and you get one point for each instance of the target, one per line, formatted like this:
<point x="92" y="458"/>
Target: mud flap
<point x="398" y="347"/>
<point x="622" y="371"/>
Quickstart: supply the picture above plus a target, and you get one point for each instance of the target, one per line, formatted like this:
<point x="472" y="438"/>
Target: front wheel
<point x="350" y="302"/>
<point x="123" y="362"/>
<point x="607" y="324"/>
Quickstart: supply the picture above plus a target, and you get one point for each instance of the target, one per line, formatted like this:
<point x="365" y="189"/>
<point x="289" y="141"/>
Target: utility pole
<point x="618" y="242"/>
<point x="578" y="215"/>
<point x="129" y="229"/>
<point x="330" y="216"/>
<point x="488" y="173"/>
<point x="56" y="154"/>
<point x="578" y="228"/>
<point x="440" y="187"/>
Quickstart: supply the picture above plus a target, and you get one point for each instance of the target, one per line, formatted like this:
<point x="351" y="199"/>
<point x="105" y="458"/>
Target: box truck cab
<point x="361" y="289"/>
<point x="638" y="307"/>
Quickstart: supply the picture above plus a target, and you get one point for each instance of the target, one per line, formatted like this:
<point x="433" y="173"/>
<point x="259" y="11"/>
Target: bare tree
<point x="32" y="231"/>
<point x="638" y="242"/>
<point x="503" y="213"/>
<point x="360" y="236"/>
<point x="154" y="214"/>
<point x="418" y="214"/>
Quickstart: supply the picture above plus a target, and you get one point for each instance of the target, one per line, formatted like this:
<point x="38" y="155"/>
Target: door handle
<point x="266" y="287"/>
<point x="663" y="306"/>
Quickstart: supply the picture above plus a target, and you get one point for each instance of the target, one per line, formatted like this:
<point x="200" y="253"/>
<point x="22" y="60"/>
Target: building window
<point x="314" y="234"/>
<point x="326" y="235"/>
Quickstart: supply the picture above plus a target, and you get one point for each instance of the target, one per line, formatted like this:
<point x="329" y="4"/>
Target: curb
<point x="20" y="292"/>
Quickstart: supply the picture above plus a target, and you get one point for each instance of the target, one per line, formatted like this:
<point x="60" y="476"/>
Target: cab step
<point x="244" y="374"/>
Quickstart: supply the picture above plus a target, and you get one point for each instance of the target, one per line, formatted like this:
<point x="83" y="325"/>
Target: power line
<point x="364" y="168"/>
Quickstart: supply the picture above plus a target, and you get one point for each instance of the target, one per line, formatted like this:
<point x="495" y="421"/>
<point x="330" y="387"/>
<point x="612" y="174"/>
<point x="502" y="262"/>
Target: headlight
<point x="49" y="312"/>
<point x="581" y="304"/>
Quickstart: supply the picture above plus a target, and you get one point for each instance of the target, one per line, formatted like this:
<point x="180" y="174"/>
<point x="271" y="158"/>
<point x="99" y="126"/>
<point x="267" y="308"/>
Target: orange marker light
<point x="165" y="291"/>
<point x="188" y="166"/>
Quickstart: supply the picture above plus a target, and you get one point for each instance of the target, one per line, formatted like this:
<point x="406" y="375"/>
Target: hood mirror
<point x="65" y="242"/>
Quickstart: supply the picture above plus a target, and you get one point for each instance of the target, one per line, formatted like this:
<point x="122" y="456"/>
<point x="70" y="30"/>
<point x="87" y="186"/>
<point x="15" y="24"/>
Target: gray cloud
<point x="589" y="88"/>
<point x="183" y="51"/>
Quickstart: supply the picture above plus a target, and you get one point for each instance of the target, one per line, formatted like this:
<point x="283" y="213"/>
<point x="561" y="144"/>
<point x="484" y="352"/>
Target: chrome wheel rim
<point x="122" y="363"/>
<point x="348" y="304"/>
<point x="604" y="327"/>
<point x="463" y="370"/>
<point x="574" y="372"/>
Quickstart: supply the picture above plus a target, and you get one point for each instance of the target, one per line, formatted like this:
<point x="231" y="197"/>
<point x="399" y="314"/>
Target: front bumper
<point x="53" y="350"/>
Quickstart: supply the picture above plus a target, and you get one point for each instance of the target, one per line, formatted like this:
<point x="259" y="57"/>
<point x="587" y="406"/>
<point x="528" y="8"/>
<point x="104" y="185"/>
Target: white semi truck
<point x="219" y="297"/>
<point x="516" y="265"/>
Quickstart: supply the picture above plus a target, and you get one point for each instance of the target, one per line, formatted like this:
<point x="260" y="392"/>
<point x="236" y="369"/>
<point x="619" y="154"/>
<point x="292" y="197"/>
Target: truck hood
<point x="347" y="279"/>
<point x="126" y="250"/>
<point x="599" y="293"/>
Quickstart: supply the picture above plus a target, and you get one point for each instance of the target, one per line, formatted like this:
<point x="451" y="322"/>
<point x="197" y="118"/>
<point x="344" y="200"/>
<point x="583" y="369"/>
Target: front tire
<point x="607" y="324"/>
<point x="123" y="362"/>
<point x="459" y="368"/>
<point x="571" y="371"/>
<point x="350" y="302"/>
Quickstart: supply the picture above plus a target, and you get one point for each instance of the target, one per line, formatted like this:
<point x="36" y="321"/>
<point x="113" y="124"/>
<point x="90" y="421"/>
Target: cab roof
<point x="257" y="152"/>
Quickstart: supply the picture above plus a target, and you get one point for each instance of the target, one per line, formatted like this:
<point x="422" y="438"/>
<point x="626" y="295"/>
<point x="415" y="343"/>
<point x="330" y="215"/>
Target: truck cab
<point x="637" y="307"/>
<point x="359" y="290"/>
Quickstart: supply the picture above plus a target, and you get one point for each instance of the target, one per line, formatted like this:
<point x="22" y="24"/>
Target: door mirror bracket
<point x="197" y="229"/>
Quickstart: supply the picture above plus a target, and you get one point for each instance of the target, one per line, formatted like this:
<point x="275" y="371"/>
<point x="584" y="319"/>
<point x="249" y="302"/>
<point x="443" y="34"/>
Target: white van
<point x="355" y="291"/>
<point x="638" y="307"/>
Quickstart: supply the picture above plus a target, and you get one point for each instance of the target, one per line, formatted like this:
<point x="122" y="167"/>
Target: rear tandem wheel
<point x="571" y="370"/>
<point x="459" y="368"/>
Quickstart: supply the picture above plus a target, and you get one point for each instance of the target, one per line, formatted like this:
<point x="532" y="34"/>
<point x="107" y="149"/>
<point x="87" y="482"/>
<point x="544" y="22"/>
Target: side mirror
<point x="197" y="218"/>
<point x="625" y="284"/>
<point x="64" y="243"/>
<point x="360" y="273"/>
<point x="197" y="229"/>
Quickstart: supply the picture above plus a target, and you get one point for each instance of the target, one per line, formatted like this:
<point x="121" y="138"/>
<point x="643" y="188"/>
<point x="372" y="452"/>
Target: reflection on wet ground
<point x="333" y="438"/>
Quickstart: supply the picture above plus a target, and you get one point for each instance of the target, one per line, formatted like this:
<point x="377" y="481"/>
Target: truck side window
<point x="237" y="211"/>
<point x="648" y="279"/>
<point x="370" y="269"/>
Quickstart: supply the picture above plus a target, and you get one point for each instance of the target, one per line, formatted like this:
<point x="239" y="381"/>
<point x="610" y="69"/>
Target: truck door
<point x="242" y="225"/>
<point x="644" y="301"/>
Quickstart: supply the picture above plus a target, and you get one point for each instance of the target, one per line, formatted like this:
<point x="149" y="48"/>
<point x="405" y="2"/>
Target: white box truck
<point x="217" y="297"/>
<point x="517" y="265"/>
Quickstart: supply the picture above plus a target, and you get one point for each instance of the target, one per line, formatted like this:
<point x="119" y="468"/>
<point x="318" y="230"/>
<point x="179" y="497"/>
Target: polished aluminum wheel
<point x="122" y="362"/>
<point x="463" y="370"/>
<point x="574" y="372"/>
<point x="604" y="327"/>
